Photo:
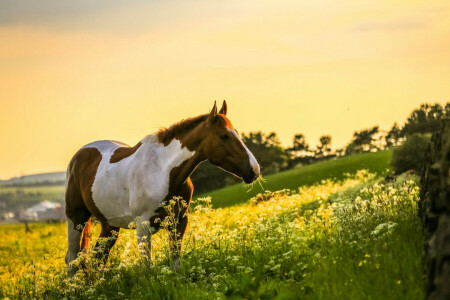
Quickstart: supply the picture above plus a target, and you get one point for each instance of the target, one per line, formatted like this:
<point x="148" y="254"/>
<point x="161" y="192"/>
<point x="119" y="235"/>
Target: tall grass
<point x="355" y="238"/>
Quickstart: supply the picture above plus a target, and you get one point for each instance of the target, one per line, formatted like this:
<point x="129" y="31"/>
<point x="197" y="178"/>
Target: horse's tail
<point x="86" y="236"/>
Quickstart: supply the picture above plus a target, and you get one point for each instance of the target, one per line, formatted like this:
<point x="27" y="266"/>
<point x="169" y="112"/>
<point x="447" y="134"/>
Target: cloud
<point x="390" y="25"/>
<point x="44" y="12"/>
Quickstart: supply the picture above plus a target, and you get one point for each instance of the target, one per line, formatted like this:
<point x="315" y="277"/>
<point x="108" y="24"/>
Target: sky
<point x="72" y="72"/>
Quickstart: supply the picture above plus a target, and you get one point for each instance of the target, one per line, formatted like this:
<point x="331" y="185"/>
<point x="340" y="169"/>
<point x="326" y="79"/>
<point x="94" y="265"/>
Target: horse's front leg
<point x="144" y="238"/>
<point x="176" y="241"/>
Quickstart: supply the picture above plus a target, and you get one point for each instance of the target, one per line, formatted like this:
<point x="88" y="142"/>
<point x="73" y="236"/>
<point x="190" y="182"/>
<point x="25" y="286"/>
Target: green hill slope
<point x="35" y="179"/>
<point x="377" y="162"/>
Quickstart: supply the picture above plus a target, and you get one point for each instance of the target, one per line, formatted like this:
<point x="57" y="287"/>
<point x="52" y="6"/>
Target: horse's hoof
<point x="71" y="271"/>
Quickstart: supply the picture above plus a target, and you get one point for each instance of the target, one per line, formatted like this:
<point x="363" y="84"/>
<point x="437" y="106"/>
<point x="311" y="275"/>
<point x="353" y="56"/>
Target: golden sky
<point x="76" y="71"/>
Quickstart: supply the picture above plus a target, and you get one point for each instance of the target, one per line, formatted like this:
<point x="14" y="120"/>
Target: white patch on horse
<point x="253" y="162"/>
<point x="136" y="185"/>
<point x="105" y="145"/>
<point x="73" y="248"/>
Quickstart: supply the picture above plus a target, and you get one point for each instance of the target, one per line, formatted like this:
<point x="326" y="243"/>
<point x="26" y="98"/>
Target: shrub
<point x="411" y="154"/>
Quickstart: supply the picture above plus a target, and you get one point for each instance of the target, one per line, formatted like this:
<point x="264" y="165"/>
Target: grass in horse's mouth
<point x="251" y="185"/>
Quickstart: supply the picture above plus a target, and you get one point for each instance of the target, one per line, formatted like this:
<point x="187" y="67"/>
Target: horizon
<point x="78" y="72"/>
<point x="400" y="123"/>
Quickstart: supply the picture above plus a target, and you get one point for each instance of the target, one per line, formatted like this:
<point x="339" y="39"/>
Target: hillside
<point x="376" y="162"/>
<point x="35" y="179"/>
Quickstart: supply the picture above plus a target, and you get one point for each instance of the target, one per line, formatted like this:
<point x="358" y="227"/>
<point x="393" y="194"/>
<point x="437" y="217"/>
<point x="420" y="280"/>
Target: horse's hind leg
<point x="108" y="237"/>
<point x="73" y="235"/>
<point x="77" y="217"/>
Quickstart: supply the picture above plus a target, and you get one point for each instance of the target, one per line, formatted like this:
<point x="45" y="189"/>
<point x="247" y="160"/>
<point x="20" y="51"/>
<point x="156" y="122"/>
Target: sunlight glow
<point x="74" y="74"/>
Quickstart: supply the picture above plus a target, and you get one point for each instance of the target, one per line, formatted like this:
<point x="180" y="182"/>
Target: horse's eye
<point x="224" y="136"/>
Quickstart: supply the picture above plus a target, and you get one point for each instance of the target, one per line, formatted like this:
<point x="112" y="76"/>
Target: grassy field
<point x="353" y="238"/>
<point x="36" y="193"/>
<point x="335" y="169"/>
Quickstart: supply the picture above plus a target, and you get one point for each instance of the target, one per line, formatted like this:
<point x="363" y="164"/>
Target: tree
<point x="324" y="147"/>
<point x="363" y="141"/>
<point x="394" y="136"/>
<point x="208" y="177"/>
<point x="411" y="154"/>
<point x="299" y="143"/>
<point x="426" y="119"/>
<point x="299" y="146"/>
<point x="267" y="150"/>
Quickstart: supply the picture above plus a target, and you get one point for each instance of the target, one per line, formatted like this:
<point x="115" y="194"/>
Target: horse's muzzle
<point x="250" y="176"/>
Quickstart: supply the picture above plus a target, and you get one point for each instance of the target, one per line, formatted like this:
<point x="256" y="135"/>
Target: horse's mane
<point x="165" y="135"/>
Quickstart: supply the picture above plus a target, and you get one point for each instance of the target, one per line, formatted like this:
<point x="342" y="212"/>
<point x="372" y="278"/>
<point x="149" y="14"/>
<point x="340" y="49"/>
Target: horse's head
<point x="224" y="148"/>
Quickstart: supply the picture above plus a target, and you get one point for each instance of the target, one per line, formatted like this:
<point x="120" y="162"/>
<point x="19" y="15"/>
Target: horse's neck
<point x="179" y="161"/>
<point x="165" y="156"/>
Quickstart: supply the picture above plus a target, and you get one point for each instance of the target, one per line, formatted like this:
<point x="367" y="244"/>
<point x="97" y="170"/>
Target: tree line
<point x="272" y="157"/>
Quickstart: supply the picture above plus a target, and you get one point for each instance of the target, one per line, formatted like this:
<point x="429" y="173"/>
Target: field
<point x="50" y="192"/>
<point x="350" y="237"/>
<point x="26" y="196"/>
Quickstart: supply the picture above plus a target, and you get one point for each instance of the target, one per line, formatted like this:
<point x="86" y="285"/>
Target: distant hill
<point x="35" y="179"/>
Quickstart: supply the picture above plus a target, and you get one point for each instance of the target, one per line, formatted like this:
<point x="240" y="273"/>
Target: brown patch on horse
<point x="185" y="191"/>
<point x="111" y="234"/>
<point x="225" y="120"/>
<point x="79" y="202"/>
<point x="166" y="135"/>
<point x="123" y="152"/>
<point x="86" y="236"/>
<point x="179" y="130"/>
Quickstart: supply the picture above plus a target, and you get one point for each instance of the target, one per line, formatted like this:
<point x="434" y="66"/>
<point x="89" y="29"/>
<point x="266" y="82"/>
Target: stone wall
<point x="434" y="209"/>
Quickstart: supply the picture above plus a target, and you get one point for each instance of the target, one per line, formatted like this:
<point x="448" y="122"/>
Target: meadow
<point x="26" y="196"/>
<point x="352" y="237"/>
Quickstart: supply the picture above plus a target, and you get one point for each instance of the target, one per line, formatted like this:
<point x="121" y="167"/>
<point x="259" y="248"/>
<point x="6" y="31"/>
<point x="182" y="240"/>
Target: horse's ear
<point x="223" y="110"/>
<point x="213" y="113"/>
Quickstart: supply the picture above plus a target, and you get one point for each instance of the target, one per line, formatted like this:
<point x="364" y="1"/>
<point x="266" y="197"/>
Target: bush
<point x="411" y="154"/>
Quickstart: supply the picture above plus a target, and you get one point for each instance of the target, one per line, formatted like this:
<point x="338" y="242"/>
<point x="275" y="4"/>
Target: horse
<point x="118" y="184"/>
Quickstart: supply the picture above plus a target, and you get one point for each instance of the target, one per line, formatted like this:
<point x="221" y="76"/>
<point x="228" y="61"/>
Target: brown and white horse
<point x="118" y="184"/>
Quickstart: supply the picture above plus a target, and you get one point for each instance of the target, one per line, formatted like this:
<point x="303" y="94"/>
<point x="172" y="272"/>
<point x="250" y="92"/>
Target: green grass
<point x="33" y="194"/>
<point x="377" y="162"/>
<point x="45" y="190"/>
<point x="360" y="240"/>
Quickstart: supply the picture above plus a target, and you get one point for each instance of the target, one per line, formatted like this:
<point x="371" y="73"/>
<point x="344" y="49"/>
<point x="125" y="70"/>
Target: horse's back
<point x="89" y="157"/>
<point x="105" y="145"/>
<point x="81" y="174"/>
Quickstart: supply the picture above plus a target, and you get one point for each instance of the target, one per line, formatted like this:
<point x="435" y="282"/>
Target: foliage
<point x="411" y="154"/>
<point x="325" y="145"/>
<point x="267" y="150"/>
<point x="363" y="141"/>
<point x="350" y="239"/>
<point x="426" y="119"/>
<point x="299" y="143"/>
<point x="299" y="146"/>
<point x="394" y="136"/>
<point x="208" y="177"/>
